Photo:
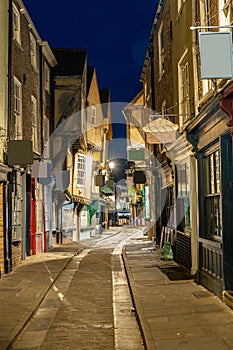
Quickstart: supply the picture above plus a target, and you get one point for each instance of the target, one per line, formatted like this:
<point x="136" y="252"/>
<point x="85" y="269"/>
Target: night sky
<point x="115" y="34"/>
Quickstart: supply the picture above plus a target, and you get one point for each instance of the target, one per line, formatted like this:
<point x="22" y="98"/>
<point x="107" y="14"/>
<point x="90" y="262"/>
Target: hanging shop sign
<point x="146" y="202"/>
<point x="216" y="54"/>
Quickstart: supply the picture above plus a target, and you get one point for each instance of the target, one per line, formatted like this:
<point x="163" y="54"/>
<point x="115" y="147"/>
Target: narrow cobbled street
<point x="88" y="306"/>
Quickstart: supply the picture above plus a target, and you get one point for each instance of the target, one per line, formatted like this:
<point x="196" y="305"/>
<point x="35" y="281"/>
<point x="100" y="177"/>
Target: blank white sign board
<point x="216" y="55"/>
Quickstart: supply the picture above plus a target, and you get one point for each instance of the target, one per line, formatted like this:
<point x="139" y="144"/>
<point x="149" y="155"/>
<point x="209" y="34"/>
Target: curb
<point x="26" y="319"/>
<point x="143" y="325"/>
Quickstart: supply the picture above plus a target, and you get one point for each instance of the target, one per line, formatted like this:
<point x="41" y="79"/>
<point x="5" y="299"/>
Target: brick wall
<point x="16" y="254"/>
<point x="163" y="85"/>
<point x="28" y="76"/>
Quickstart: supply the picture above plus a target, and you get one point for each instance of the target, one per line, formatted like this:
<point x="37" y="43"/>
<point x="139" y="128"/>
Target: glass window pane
<point x="217" y="171"/>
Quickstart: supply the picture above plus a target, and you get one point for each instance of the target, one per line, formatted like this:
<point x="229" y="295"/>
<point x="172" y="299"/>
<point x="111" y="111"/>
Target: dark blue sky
<point x="115" y="33"/>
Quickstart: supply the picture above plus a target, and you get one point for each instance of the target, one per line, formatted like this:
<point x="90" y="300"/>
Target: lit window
<point x="34" y="123"/>
<point x="183" y="196"/>
<point x="212" y="193"/>
<point x="33" y="51"/>
<point x="81" y="170"/>
<point x="18" y="109"/>
<point x="206" y="86"/>
<point x="16" y="24"/>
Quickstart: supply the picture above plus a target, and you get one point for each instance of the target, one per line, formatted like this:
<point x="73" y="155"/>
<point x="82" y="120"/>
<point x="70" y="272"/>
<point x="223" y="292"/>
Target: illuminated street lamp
<point x="111" y="165"/>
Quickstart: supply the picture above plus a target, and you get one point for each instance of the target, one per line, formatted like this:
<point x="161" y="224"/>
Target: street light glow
<point x="111" y="165"/>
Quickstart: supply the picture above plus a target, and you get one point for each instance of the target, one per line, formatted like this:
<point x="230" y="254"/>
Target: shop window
<point x="183" y="197"/>
<point x="212" y="195"/>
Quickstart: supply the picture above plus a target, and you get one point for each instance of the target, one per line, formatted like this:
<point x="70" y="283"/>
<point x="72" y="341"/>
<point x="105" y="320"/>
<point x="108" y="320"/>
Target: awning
<point x="107" y="190"/>
<point x="93" y="207"/>
<point x="160" y="130"/>
<point x="76" y="199"/>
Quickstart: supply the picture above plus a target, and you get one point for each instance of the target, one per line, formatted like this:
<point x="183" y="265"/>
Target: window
<point x="33" y="51"/>
<point x="161" y="50"/>
<point x="47" y="77"/>
<point x="206" y="86"/>
<point x="45" y="136"/>
<point x="45" y="129"/>
<point x="184" y="101"/>
<point x="179" y="4"/>
<point x="93" y="115"/>
<point x="205" y="12"/>
<point x="81" y="170"/>
<point x="212" y="190"/>
<point x="225" y="13"/>
<point x="18" y="109"/>
<point x="17" y="96"/>
<point x="16" y="24"/>
<point x="34" y="123"/>
<point x="183" y="197"/>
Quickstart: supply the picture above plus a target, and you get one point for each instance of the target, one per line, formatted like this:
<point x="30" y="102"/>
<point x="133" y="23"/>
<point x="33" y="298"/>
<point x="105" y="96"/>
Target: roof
<point x="70" y="61"/>
<point x="90" y="73"/>
<point x="104" y="95"/>
<point x="105" y="100"/>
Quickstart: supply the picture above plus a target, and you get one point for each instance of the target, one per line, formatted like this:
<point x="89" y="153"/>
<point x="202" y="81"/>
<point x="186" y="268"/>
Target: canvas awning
<point x="160" y="130"/>
<point x="107" y="190"/>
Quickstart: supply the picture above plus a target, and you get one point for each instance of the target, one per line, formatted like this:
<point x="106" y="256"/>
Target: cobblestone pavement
<point x="174" y="312"/>
<point x="88" y="306"/>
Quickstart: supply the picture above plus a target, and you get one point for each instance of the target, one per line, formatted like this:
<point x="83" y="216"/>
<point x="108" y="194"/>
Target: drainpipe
<point x="8" y="250"/>
<point x="10" y="36"/>
<point x="41" y="97"/>
<point x="41" y="135"/>
<point x="195" y="53"/>
<point x="193" y="160"/>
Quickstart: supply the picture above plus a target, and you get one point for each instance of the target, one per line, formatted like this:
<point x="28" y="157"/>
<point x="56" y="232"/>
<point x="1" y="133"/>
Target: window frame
<point x="184" y="88"/>
<point x="205" y="13"/>
<point x="16" y="24"/>
<point x="45" y="128"/>
<point x="225" y="13"/>
<point x="17" y="104"/>
<point x="183" y="196"/>
<point x="212" y="195"/>
<point x="33" y="50"/>
<point x="46" y="77"/>
<point x="34" y="115"/>
<point x="161" y="41"/>
<point x="81" y="170"/>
